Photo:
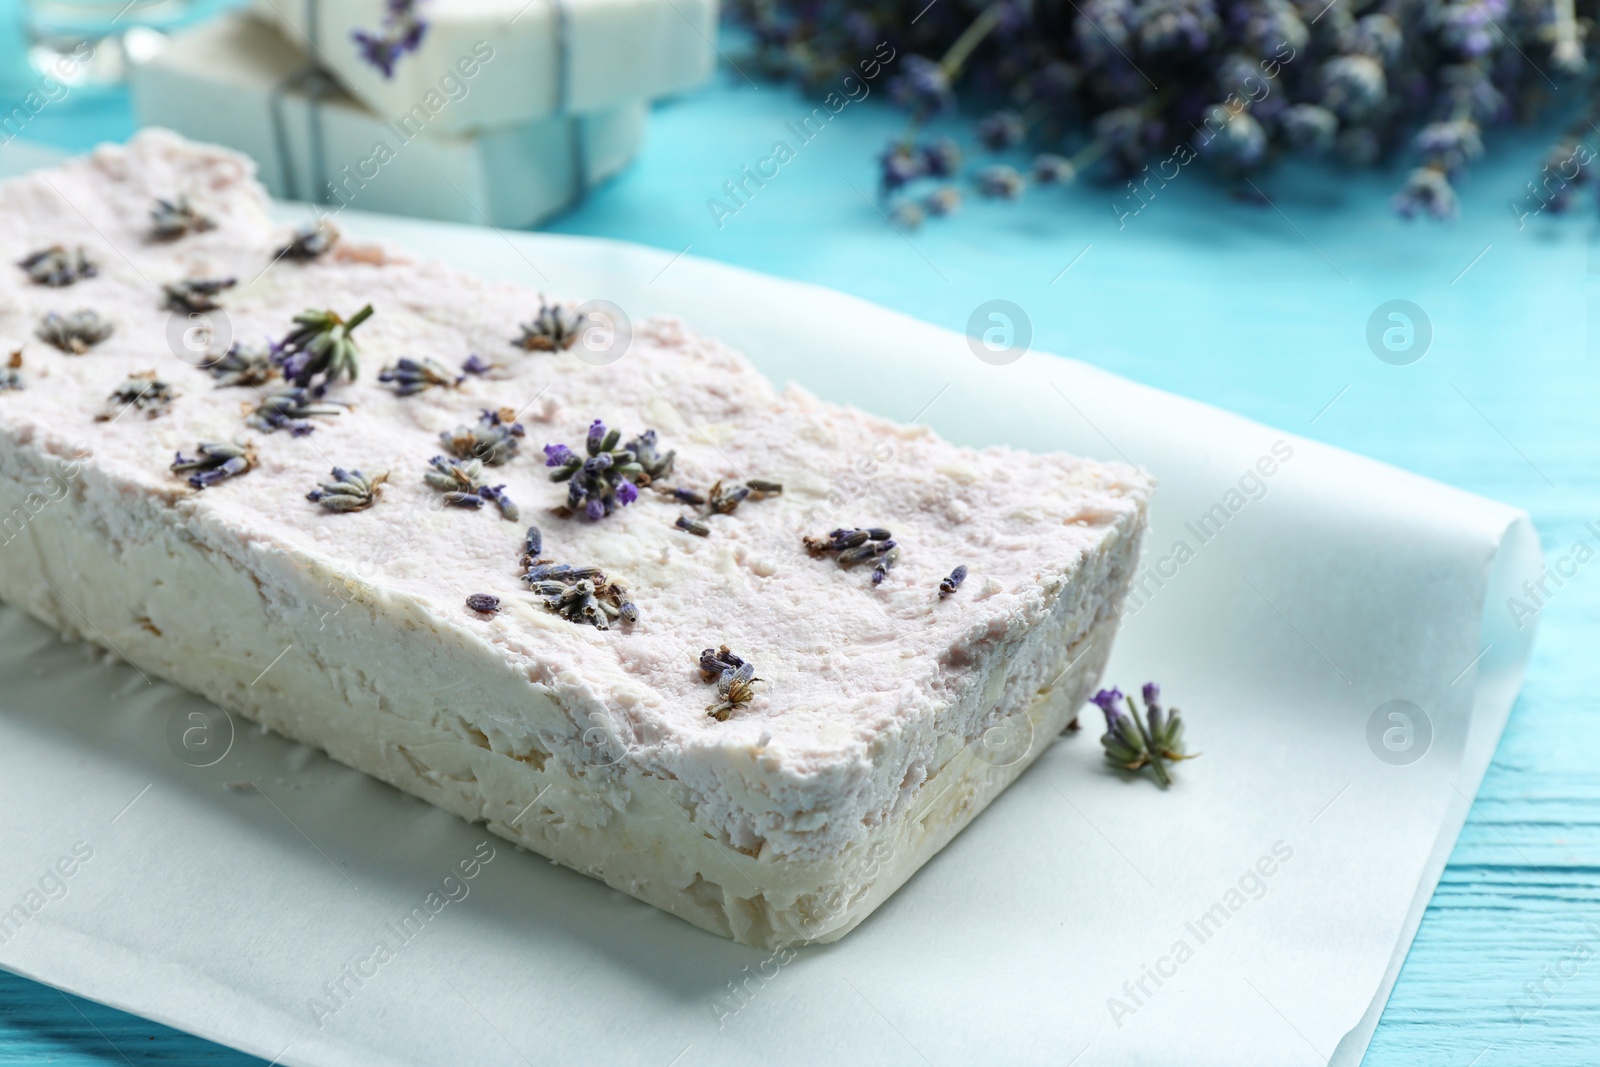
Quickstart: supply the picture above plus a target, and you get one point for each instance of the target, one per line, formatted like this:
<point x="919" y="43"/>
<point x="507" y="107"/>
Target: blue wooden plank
<point x="1259" y="310"/>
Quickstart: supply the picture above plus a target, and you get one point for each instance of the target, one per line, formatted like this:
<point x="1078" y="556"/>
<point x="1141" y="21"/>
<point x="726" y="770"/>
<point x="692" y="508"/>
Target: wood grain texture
<point x="1261" y="310"/>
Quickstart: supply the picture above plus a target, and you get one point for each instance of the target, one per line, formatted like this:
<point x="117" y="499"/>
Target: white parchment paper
<point x="1256" y="913"/>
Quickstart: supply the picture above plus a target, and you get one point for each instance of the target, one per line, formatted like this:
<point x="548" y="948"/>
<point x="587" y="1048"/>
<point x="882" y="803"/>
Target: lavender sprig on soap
<point x="310" y="242"/>
<point x="599" y="601"/>
<point x="607" y="477"/>
<point x="289" y="409"/>
<point x="142" y="392"/>
<point x="461" y="482"/>
<point x="735" y="678"/>
<point x="350" y="490"/>
<point x="244" y="364"/>
<point x="320" y="344"/>
<point x="171" y="219"/>
<point x="1133" y="743"/>
<point x="412" y="376"/>
<point x="721" y="499"/>
<point x="850" y="546"/>
<point x="195" y="294"/>
<point x="58" y="267"/>
<point x="494" y="440"/>
<point x="215" y="461"/>
<point x="554" y="329"/>
<point x="75" y="332"/>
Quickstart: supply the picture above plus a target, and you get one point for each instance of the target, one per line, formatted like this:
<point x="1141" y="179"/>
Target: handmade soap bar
<point x="235" y="81"/>
<point x="550" y="56"/>
<point x="400" y="619"/>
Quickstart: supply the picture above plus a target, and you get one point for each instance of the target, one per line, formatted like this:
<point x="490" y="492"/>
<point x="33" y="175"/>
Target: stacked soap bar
<point x="700" y="678"/>
<point x="471" y="123"/>
<point x="552" y="57"/>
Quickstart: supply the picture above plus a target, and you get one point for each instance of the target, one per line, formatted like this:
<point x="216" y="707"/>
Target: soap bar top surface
<point x="844" y="665"/>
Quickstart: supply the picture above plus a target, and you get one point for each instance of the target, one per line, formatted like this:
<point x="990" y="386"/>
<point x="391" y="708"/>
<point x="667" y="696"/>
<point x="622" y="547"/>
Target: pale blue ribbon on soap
<point x="317" y="85"/>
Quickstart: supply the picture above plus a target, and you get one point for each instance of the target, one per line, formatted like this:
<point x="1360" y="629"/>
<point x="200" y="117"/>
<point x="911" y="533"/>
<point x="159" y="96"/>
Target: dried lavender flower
<point x="713" y="661"/>
<point x="350" y="490"/>
<point x="494" y="440"/>
<point x="244" y="364"/>
<point x="196" y="294"/>
<point x="1001" y="130"/>
<point x="1000" y="182"/>
<point x="655" y="464"/>
<point x="580" y="594"/>
<point x="320" y="344"/>
<point x="884" y="564"/>
<point x="851" y="546"/>
<point x="945" y="200"/>
<point x="215" y="462"/>
<point x="554" y="329"/>
<point x="57" y="267"/>
<point x="1051" y="169"/>
<point x="412" y="376"/>
<point x="735" y="689"/>
<point x="310" y="242"/>
<point x="1426" y="191"/>
<point x="941" y="158"/>
<point x="694" y="526"/>
<point x="722" y="501"/>
<point x="477" y="366"/>
<point x="483" y="603"/>
<point x="607" y="477"/>
<point x="949" y="585"/>
<point x="1292" y="78"/>
<point x="142" y="392"/>
<point x="171" y="219"/>
<point x="75" y="332"/>
<point x="1132" y="743"/>
<point x="461" y="482"/>
<point x="288" y="409"/>
<point x="401" y="33"/>
<point x="496" y="494"/>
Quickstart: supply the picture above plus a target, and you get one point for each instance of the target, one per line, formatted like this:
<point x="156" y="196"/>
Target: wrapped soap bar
<point x="550" y="56"/>
<point x="237" y="82"/>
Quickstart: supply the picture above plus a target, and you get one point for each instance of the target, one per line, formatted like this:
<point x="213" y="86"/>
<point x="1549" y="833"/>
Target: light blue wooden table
<point x="1262" y="310"/>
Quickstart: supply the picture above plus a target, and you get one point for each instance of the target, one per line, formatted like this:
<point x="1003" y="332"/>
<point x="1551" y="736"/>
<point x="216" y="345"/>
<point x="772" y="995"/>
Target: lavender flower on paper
<point x="1132" y="742"/>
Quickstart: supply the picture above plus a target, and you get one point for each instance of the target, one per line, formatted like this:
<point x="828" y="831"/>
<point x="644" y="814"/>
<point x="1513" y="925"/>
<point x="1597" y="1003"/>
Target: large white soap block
<point x="550" y="56"/>
<point x="236" y="81"/>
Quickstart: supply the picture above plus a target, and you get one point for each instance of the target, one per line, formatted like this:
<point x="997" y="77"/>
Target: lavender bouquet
<point x="1134" y="91"/>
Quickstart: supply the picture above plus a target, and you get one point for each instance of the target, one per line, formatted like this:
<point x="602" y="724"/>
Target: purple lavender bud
<point x="941" y="158"/>
<point x="1426" y="190"/>
<point x="558" y="456"/>
<point x="1000" y="182"/>
<point x="1001" y="130"/>
<point x="597" y="434"/>
<point x="922" y="87"/>
<point x="1108" y="699"/>
<point x="595" y="509"/>
<point x="627" y="492"/>
<point x="1152" y="694"/>
<point x="899" y="167"/>
<point x="483" y="603"/>
<point x="475" y="364"/>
